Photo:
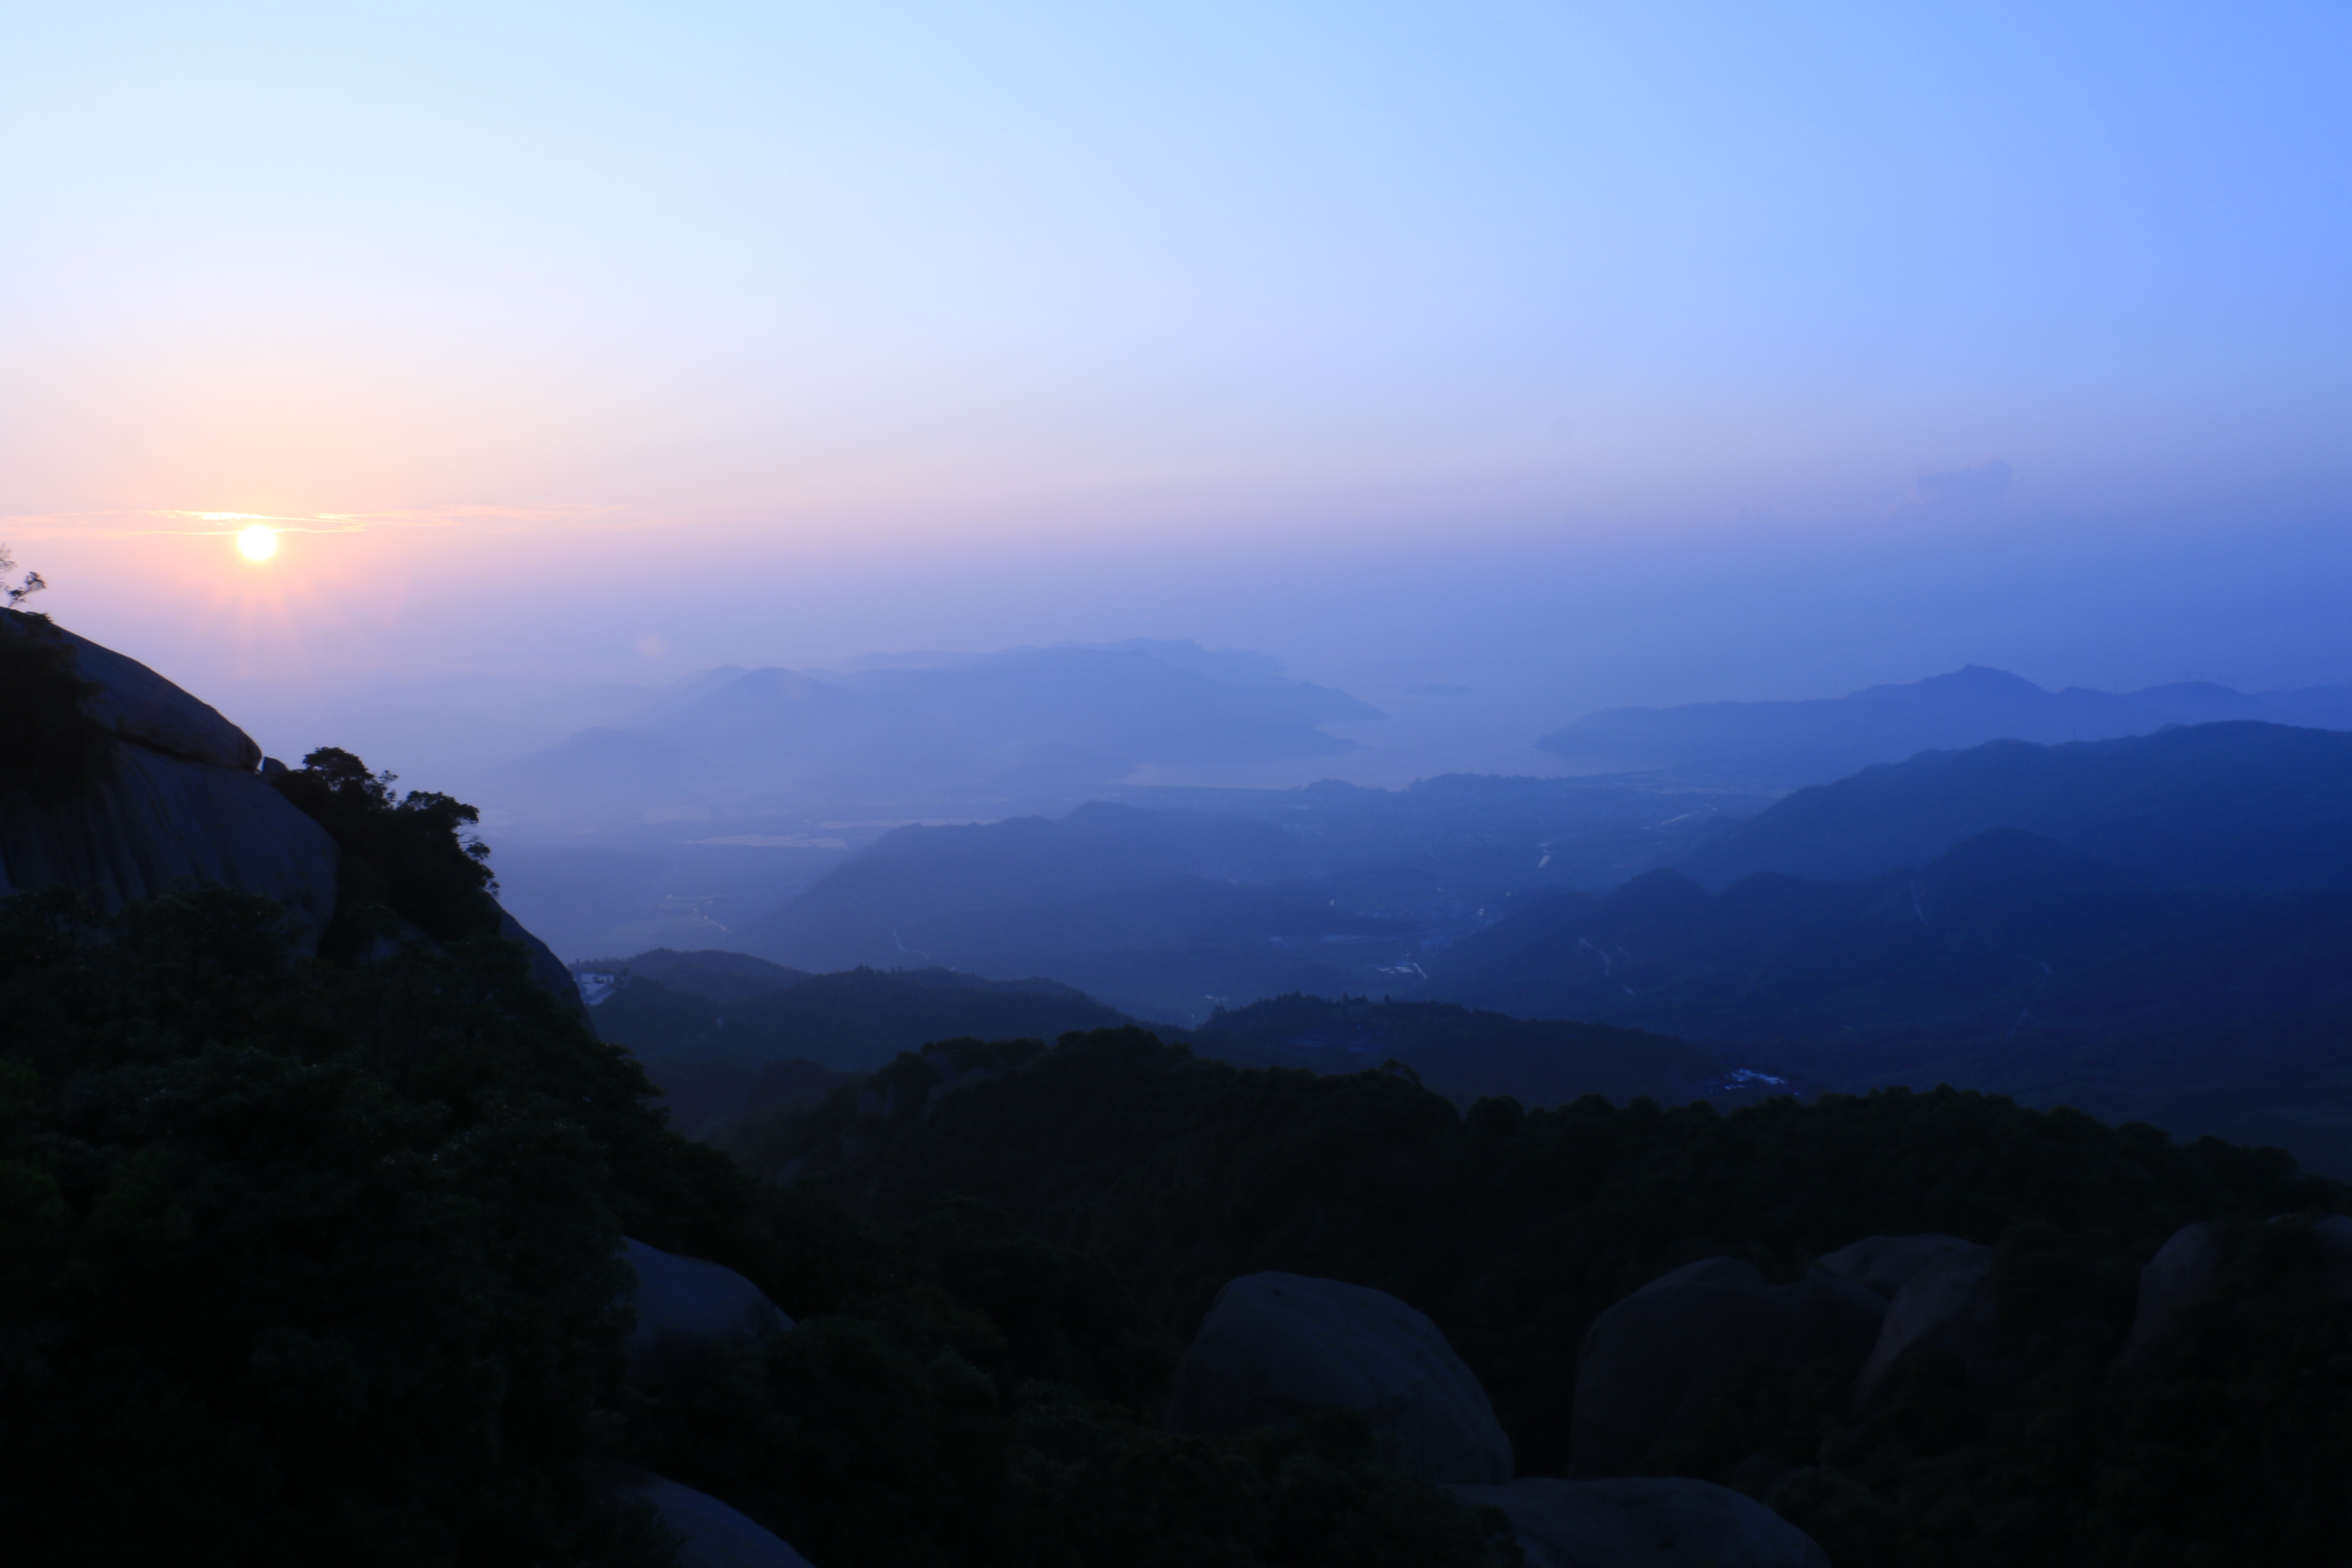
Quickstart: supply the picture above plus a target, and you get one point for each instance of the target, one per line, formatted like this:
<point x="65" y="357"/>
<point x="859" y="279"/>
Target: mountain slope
<point x="2226" y="804"/>
<point x="2006" y="936"/>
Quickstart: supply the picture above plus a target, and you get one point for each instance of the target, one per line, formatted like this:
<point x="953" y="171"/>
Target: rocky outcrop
<point x="1667" y="1522"/>
<point x="545" y="967"/>
<point x="2187" y="1266"/>
<point x="1650" y="1363"/>
<point x="2332" y="1236"/>
<point x="1946" y="1307"/>
<point x="1277" y="1346"/>
<point x="690" y="1314"/>
<point x="712" y="1535"/>
<point x="187" y="799"/>
<point x="143" y="707"/>
<point x="2184" y="1270"/>
<point x="180" y="802"/>
<point x="1887" y="1263"/>
<point x="154" y="820"/>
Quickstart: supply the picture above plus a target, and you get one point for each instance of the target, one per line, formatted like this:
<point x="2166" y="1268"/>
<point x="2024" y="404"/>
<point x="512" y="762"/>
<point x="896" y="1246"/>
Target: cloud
<point x="1982" y="485"/>
<point x="136" y="524"/>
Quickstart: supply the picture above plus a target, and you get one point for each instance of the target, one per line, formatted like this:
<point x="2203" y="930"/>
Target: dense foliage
<point x="312" y="1262"/>
<point x="54" y="746"/>
<point x="405" y="857"/>
<point x="1467" y="1054"/>
<point x="855" y="1020"/>
<point x="1514" y="1228"/>
<point x="723" y="1038"/>
<point x="305" y="1263"/>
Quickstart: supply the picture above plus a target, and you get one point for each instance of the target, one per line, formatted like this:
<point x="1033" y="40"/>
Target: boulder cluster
<point x="1275" y="1347"/>
<point x="689" y="1315"/>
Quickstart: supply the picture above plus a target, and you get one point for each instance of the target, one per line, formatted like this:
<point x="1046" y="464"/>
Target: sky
<point x="1579" y="354"/>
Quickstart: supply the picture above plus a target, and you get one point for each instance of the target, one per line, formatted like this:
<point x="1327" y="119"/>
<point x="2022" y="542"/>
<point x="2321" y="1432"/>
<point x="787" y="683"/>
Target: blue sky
<point x="1608" y="349"/>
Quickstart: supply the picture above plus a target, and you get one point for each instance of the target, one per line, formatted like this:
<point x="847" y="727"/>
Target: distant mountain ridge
<point x="987" y="732"/>
<point x="2238" y="804"/>
<point x="2153" y="927"/>
<point x="1168" y="913"/>
<point x="2007" y="935"/>
<point x="1824" y="738"/>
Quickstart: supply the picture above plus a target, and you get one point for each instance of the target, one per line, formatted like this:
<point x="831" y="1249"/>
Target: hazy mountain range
<point x="914" y="733"/>
<point x="2229" y="804"/>
<point x="1815" y="741"/>
<point x="2096" y="921"/>
<point x="1169" y="913"/>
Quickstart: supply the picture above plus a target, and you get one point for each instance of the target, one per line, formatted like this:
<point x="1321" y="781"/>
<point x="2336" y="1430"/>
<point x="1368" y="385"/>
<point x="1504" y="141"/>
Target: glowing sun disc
<point x="258" y="543"/>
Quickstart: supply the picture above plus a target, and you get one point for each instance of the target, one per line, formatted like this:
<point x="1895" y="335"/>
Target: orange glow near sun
<point x="258" y="543"/>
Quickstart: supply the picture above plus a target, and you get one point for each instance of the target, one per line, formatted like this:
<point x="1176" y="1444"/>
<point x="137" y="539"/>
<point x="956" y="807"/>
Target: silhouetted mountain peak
<point x="1974" y="680"/>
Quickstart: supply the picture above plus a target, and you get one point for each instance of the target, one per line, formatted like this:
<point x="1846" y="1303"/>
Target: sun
<point x="258" y="543"/>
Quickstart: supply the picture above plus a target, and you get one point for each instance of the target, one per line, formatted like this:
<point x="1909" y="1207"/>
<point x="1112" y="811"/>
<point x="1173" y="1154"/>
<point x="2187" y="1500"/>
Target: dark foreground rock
<point x="712" y="1535"/>
<point x="1947" y="1307"/>
<point x="1651" y="1362"/>
<point x="690" y="1314"/>
<point x="154" y="821"/>
<point x="2182" y="1272"/>
<point x="1277" y="1346"/>
<point x="143" y="707"/>
<point x="1887" y="1263"/>
<point x="1668" y="1521"/>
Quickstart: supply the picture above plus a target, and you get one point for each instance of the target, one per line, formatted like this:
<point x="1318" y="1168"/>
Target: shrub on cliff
<point x="409" y="856"/>
<point x="50" y="744"/>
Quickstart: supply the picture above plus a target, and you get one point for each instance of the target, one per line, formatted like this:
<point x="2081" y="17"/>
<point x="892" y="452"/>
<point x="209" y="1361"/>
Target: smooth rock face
<point x="2183" y="1269"/>
<point x="1651" y="1362"/>
<point x="2187" y="1266"/>
<point x="1667" y="1522"/>
<point x="155" y="820"/>
<point x="716" y="1535"/>
<point x="545" y="967"/>
<point x="2334" y="1235"/>
<point x="1887" y="1263"/>
<point x="690" y="1313"/>
<point x="1277" y="1346"/>
<point x="1949" y="1306"/>
<point x="142" y="706"/>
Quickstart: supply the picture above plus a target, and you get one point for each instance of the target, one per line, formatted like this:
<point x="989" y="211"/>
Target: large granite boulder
<point x="141" y="707"/>
<point x="1650" y="1363"/>
<point x="180" y="802"/>
<point x="187" y="799"/>
<point x="711" y="1534"/>
<point x="1887" y="1263"/>
<point x="2332" y="1236"/>
<point x="1277" y="1346"/>
<point x="690" y="1314"/>
<point x="2187" y="1266"/>
<point x="1946" y="1307"/>
<point x="545" y="967"/>
<point x="154" y="820"/>
<point x="1665" y="1521"/>
<point x="2184" y="1270"/>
